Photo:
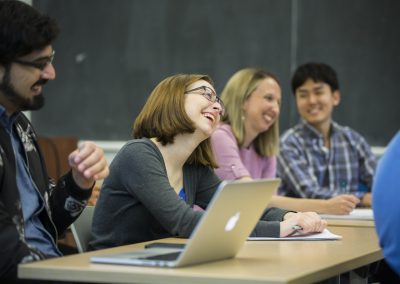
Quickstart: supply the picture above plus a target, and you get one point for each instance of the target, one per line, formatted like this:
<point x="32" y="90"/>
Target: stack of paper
<point x="356" y="214"/>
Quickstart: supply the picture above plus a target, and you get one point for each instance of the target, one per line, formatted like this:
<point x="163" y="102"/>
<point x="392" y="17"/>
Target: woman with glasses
<point x="161" y="181"/>
<point x="246" y="141"/>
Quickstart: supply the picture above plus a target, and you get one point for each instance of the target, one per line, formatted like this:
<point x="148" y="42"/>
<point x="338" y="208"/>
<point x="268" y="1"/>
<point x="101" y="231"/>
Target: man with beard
<point x="33" y="210"/>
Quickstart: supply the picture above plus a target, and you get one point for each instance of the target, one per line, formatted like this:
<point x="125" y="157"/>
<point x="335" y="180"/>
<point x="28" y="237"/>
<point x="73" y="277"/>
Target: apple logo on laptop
<point x="232" y="222"/>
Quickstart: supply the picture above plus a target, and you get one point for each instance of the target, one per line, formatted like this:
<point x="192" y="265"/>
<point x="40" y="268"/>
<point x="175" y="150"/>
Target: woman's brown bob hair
<point x="164" y="116"/>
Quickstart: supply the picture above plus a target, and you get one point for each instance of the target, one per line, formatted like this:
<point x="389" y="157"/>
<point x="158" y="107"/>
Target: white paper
<point x="323" y="236"/>
<point x="356" y="214"/>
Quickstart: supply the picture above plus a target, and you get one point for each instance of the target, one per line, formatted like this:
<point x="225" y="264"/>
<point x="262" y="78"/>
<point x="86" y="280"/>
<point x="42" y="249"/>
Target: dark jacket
<point x="64" y="201"/>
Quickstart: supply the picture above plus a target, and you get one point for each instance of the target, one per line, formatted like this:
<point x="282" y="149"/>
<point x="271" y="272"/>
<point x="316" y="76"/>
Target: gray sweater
<point x="137" y="202"/>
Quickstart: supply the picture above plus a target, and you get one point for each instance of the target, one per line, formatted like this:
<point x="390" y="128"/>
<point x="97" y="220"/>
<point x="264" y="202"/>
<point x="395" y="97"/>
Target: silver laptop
<point x="230" y="218"/>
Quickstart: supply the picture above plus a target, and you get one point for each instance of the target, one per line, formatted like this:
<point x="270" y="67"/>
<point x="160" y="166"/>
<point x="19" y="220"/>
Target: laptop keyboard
<point x="165" y="256"/>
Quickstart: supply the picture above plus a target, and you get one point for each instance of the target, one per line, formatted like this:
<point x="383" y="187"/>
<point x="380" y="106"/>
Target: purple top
<point x="234" y="162"/>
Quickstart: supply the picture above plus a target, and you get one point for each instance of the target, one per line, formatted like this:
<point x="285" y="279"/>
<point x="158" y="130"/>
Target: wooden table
<point x="257" y="262"/>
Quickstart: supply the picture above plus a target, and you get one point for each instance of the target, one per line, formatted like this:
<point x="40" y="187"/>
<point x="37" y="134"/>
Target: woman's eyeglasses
<point x="210" y="95"/>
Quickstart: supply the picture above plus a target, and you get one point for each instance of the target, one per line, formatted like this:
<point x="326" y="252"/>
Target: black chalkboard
<point x="111" y="54"/>
<point x="361" y="40"/>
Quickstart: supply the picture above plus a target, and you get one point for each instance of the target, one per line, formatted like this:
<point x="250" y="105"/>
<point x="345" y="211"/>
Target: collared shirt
<point x="32" y="202"/>
<point x="309" y="170"/>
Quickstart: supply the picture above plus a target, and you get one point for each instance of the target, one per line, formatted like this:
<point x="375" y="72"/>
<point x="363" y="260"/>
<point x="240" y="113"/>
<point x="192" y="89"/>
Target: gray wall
<point x="111" y="54"/>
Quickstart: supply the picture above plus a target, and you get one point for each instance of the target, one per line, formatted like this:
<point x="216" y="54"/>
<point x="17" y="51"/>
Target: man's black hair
<point x="23" y="29"/>
<point x="318" y="72"/>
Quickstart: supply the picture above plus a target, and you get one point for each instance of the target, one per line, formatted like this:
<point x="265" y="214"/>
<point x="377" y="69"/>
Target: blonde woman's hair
<point x="164" y="116"/>
<point x="237" y="90"/>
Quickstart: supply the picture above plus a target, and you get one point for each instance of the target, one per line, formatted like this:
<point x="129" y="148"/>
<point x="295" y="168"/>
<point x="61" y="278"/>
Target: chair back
<point x="55" y="152"/>
<point x="82" y="227"/>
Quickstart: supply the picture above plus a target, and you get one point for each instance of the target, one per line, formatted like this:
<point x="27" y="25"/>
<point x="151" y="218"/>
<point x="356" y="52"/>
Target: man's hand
<point x="88" y="165"/>
<point x="367" y="200"/>
<point x="341" y="204"/>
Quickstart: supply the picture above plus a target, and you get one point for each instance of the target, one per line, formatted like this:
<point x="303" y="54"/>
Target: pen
<point x="296" y="228"/>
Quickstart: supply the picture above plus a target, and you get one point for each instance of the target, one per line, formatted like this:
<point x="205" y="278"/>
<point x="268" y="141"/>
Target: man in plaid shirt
<point x="318" y="157"/>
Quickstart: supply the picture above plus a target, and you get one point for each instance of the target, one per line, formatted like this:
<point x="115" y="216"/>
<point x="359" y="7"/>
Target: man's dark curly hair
<point x="23" y="29"/>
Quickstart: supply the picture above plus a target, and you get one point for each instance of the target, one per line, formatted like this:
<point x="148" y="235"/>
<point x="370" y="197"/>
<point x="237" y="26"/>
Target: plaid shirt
<point x="309" y="170"/>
